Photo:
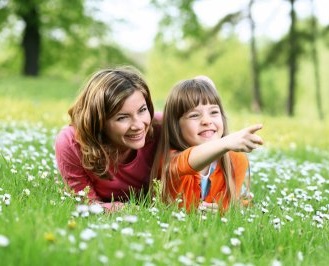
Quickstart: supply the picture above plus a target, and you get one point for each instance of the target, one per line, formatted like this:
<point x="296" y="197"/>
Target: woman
<point x="109" y="146"/>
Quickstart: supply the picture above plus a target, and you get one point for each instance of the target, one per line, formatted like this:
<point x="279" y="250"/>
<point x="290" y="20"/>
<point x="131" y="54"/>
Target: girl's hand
<point x="244" y="140"/>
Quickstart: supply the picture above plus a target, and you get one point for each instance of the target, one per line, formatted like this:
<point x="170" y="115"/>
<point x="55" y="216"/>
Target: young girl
<point x="201" y="165"/>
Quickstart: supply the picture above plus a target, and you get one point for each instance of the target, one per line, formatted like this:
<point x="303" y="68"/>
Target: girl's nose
<point x="205" y="120"/>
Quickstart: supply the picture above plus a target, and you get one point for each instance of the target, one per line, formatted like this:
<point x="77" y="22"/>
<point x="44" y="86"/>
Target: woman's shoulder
<point x="66" y="131"/>
<point x="65" y="136"/>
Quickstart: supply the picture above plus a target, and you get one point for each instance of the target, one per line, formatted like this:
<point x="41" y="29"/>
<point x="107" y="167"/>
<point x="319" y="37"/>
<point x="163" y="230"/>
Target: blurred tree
<point x="59" y="33"/>
<point x="292" y="60"/>
<point x="289" y="50"/>
<point x="190" y="35"/>
<point x="31" y="41"/>
<point x="257" y="99"/>
<point x="315" y="59"/>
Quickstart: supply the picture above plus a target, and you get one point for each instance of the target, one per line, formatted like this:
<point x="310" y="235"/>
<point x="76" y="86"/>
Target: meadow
<point x="42" y="223"/>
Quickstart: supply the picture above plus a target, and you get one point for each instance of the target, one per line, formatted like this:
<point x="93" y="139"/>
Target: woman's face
<point x="127" y="129"/>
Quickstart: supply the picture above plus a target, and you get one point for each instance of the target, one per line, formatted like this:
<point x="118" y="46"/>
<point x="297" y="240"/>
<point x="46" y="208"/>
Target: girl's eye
<point x="193" y="115"/>
<point x="215" y="112"/>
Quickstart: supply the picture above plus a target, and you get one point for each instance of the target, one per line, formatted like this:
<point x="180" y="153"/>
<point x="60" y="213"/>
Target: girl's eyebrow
<point x="192" y="110"/>
<point x="214" y="107"/>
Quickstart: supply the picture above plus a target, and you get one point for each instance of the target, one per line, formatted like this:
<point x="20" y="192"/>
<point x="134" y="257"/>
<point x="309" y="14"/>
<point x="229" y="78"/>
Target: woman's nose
<point x="136" y="124"/>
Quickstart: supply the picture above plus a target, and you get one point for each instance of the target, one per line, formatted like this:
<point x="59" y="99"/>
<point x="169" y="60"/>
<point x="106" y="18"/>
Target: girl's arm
<point x="244" y="140"/>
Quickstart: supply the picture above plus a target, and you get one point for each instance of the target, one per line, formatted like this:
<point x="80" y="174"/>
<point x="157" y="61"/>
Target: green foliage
<point x="277" y="53"/>
<point x="10" y="58"/>
<point x="178" y="15"/>
<point x="274" y="83"/>
<point x="73" y="41"/>
<point x="226" y="63"/>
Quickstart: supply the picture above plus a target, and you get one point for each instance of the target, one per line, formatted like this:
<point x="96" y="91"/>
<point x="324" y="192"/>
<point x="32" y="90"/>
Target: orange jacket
<point x="187" y="185"/>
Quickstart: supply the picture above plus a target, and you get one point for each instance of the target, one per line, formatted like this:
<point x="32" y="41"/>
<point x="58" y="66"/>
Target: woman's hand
<point x="110" y="207"/>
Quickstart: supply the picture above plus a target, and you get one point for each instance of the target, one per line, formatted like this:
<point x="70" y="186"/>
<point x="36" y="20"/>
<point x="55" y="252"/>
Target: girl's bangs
<point x="196" y="94"/>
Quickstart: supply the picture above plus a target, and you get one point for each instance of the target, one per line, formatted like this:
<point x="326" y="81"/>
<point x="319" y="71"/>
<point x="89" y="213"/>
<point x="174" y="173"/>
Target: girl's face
<point x="201" y="124"/>
<point x="128" y="128"/>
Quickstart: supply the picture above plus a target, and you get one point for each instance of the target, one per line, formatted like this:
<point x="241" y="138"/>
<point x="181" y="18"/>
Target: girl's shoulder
<point x="238" y="157"/>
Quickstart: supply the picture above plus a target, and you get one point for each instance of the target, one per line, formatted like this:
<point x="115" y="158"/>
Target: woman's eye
<point x="120" y="118"/>
<point x="144" y="109"/>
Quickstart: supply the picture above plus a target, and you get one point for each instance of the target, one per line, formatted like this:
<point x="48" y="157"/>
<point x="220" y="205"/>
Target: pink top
<point x="134" y="175"/>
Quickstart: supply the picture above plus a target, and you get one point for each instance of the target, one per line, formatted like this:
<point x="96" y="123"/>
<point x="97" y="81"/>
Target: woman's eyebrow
<point x="127" y="113"/>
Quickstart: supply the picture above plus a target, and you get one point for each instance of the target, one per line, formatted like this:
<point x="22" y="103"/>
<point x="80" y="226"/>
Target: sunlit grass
<point x="47" y="112"/>
<point x="283" y="132"/>
<point x="46" y="101"/>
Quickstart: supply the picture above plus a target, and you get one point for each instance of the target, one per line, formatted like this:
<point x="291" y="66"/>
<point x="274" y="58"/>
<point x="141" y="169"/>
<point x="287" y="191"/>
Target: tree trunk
<point x="256" y="101"/>
<point x="315" y="59"/>
<point x="292" y="61"/>
<point x="31" y="42"/>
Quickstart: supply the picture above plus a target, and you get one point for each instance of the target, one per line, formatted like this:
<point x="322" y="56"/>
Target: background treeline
<point x="67" y="40"/>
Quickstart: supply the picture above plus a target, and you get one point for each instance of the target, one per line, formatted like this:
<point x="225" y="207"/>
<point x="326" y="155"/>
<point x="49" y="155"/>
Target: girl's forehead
<point x="202" y="106"/>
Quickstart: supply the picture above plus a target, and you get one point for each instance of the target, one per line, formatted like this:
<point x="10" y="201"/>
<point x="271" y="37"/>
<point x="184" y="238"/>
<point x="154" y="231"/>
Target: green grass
<point x="288" y="222"/>
<point x="44" y="100"/>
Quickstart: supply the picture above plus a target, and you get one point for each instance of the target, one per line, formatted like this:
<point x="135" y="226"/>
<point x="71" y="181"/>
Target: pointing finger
<point x="254" y="128"/>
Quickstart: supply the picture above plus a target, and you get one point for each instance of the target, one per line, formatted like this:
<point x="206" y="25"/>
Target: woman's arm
<point x="68" y="158"/>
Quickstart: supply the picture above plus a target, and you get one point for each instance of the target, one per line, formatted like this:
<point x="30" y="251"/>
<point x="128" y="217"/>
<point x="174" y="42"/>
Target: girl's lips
<point x="207" y="133"/>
